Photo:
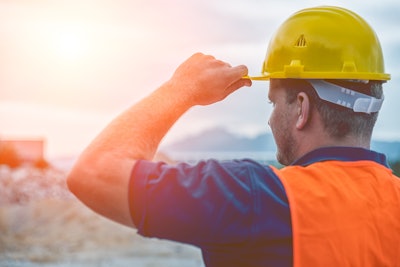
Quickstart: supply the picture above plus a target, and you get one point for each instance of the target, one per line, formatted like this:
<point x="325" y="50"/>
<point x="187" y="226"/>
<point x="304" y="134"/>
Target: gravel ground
<point x="42" y="224"/>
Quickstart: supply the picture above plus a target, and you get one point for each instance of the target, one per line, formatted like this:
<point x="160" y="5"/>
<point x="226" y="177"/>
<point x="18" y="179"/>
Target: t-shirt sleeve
<point x="202" y="203"/>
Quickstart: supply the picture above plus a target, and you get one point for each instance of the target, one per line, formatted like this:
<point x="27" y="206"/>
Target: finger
<point x="238" y="84"/>
<point x="246" y="82"/>
<point x="238" y="72"/>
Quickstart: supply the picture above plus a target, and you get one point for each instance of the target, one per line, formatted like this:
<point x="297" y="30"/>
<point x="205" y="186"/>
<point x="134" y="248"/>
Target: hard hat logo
<point x="324" y="43"/>
<point x="301" y="41"/>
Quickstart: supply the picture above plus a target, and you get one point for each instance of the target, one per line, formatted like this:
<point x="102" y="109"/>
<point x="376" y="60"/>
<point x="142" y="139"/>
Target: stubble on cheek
<point x="285" y="142"/>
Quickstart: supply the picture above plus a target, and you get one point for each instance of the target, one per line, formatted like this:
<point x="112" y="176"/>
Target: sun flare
<point x="70" y="44"/>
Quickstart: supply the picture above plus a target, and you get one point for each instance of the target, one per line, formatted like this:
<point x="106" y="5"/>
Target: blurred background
<point x="68" y="67"/>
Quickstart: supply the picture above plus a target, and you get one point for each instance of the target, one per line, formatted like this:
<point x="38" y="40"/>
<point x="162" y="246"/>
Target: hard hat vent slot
<point x="301" y="41"/>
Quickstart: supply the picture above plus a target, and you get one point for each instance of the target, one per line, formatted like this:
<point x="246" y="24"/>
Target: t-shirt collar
<point x="341" y="154"/>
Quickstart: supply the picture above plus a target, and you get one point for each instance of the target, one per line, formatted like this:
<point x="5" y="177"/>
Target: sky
<point x="68" y="67"/>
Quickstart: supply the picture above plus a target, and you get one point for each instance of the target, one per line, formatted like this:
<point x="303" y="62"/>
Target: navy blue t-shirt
<point x="236" y="212"/>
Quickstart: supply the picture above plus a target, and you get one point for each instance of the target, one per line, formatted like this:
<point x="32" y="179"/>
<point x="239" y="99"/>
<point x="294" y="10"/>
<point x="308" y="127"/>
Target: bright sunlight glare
<point x="70" y="44"/>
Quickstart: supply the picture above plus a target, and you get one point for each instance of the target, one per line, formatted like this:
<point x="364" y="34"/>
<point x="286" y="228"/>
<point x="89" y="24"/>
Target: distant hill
<point x="220" y="140"/>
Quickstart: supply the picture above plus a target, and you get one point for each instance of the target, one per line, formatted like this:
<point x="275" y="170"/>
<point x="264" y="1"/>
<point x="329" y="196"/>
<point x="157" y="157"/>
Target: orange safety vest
<point x="343" y="213"/>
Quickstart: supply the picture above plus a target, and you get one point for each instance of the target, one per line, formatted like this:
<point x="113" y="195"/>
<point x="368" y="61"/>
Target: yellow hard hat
<point x="324" y="43"/>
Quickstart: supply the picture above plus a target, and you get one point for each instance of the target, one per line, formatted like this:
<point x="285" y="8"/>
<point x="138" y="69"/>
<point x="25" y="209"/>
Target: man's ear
<point x="303" y="110"/>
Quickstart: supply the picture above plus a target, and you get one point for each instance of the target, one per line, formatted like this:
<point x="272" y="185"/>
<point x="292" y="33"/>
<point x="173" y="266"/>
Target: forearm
<point x="104" y="167"/>
<point x="137" y="132"/>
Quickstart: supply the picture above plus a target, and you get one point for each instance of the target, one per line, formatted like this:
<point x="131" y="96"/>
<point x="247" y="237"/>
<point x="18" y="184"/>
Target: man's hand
<point x="205" y="80"/>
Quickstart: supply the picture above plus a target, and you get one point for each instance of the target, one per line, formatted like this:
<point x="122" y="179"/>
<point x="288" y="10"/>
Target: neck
<point x="319" y="138"/>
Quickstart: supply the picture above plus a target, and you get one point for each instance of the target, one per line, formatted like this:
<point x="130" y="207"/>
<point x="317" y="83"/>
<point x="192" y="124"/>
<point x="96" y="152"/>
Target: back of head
<point x="339" y="121"/>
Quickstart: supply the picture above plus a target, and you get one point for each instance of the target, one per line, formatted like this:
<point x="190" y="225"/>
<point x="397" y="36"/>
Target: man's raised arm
<point x="101" y="175"/>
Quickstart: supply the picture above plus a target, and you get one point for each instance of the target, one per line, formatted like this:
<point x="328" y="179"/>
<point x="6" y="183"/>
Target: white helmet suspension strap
<point x="338" y="95"/>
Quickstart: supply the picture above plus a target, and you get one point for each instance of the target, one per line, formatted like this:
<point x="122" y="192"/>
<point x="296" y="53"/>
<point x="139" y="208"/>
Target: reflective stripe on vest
<point x="343" y="213"/>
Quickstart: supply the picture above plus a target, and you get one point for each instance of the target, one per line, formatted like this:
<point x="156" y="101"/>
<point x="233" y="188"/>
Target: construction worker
<point x="336" y="203"/>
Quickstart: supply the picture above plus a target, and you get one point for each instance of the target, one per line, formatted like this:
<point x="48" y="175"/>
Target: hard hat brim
<point x="321" y="75"/>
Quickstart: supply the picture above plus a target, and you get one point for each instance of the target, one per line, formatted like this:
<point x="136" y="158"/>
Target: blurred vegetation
<point x="41" y="164"/>
<point x="395" y="167"/>
<point x="9" y="156"/>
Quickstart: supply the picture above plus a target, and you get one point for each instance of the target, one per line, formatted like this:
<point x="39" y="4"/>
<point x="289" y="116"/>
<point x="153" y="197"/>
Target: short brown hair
<point x="338" y="121"/>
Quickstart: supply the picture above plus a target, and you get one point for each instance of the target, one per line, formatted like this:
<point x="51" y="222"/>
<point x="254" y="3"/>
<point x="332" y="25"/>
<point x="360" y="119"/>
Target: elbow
<point x="74" y="180"/>
<point x="102" y="185"/>
<point x="79" y="177"/>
